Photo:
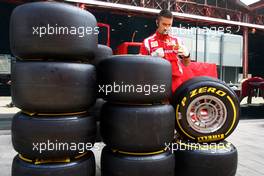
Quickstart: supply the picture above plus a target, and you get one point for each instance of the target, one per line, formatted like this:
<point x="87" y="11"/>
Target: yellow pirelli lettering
<point x="202" y="90"/>
<point x="221" y="93"/>
<point x="193" y="93"/>
<point x="211" y="89"/>
<point x="211" y="138"/>
<point x="207" y="90"/>
<point x="183" y="101"/>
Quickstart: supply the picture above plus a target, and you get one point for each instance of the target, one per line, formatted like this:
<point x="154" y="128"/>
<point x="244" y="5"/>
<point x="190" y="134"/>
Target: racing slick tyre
<point x="206" y="110"/>
<point x="47" y="137"/>
<point x="53" y="87"/>
<point x="114" y="163"/>
<point x="56" y="31"/>
<point x="134" y="79"/>
<point x="206" y="159"/>
<point x="137" y="128"/>
<point x="83" y="166"/>
<point x="103" y="52"/>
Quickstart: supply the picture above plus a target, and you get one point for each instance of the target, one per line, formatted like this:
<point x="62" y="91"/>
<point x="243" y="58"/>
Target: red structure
<point x="252" y="87"/>
<point x="257" y="9"/>
<point x="102" y="25"/>
<point x="123" y="48"/>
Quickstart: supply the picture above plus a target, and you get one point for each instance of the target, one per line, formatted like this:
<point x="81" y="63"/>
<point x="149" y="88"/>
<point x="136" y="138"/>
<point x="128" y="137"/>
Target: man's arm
<point x="143" y="50"/>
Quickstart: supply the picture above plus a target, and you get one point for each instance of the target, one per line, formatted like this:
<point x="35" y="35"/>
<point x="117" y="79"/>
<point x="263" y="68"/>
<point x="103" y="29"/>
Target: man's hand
<point x="185" y="54"/>
<point x="158" y="52"/>
<point x="183" y="51"/>
<point x="186" y="61"/>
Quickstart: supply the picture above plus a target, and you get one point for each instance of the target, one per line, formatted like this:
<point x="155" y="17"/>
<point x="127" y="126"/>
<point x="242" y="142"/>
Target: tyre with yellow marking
<point x="114" y="163"/>
<point x="206" y="110"/>
<point x="137" y="128"/>
<point x="49" y="137"/>
<point x="200" y="159"/>
<point x="84" y="166"/>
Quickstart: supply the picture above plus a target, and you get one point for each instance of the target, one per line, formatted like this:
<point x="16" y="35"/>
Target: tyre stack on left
<point x="53" y="85"/>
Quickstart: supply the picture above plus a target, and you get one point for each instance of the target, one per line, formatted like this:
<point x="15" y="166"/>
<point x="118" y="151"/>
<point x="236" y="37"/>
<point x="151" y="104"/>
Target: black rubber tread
<point x="53" y="87"/>
<point x="84" y="166"/>
<point x="137" y="128"/>
<point x="73" y="32"/>
<point x="140" y="79"/>
<point x="115" y="164"/>
<point x="65" y="136"/>
<point x="206" y="159"/>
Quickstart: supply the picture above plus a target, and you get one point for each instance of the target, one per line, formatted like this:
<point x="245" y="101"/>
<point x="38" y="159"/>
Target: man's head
<point x="164" y="21"/>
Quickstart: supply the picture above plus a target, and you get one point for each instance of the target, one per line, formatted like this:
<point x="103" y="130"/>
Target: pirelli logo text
<point x="211" y="138"/>
<point x="204" y="90"/>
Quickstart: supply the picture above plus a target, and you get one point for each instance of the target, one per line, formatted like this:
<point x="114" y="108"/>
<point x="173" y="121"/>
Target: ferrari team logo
<point x="154" y="44"/>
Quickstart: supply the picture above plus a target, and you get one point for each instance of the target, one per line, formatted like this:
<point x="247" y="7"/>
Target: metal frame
<point x="150" y="11"/>
<point x="191" y="7"/>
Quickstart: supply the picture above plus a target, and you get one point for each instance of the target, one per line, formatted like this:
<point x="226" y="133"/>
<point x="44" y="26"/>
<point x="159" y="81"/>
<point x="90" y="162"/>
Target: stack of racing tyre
<point x="54" y="86"/>
<point x="136" y="121"/>
<point x="207" y="111"/>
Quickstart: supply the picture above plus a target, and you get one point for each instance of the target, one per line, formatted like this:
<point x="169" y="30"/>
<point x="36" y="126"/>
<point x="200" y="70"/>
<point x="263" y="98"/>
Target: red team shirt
<point x="170" y="46"/>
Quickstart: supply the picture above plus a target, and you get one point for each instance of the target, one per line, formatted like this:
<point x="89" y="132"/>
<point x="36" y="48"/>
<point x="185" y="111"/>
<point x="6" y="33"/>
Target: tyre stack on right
<point x="135" y="123"/>
<point x="54" y="86"/>
<point x="207" y="111"/>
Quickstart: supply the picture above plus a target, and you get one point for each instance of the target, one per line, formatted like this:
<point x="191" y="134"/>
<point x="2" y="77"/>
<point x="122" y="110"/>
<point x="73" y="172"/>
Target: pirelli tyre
<point x="49" y="137"/>
<point x="202" y="159"/>
<point x="53" y="87"/>
<point x="103" y="52"/>
<point x="137" y="128"/>
<point x="81" y="166"/>
<point x="134" y="79"/>
<point x="206" y="110"/>
<point x="56" y="31"/>
<point x="114" y="163"/>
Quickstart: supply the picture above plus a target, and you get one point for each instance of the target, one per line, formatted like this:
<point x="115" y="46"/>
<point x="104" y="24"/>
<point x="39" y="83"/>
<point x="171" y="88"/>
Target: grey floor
<point x="248" y="138"/>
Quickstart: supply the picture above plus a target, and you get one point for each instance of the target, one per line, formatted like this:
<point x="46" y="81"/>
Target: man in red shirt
<point x="162" y="44"/>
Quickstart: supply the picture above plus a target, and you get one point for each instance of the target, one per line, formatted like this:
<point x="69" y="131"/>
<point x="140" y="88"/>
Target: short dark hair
<point x="165" y="13"/>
